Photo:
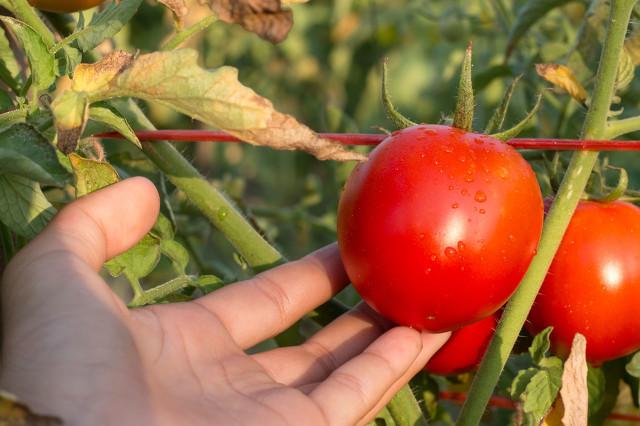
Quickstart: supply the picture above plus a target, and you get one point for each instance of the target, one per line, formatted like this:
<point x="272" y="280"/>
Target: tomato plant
<point x="464" y="349"/>
<point x="66" y="6"/>
<point x="431" y="229"/>
<point x="593" y="284"/>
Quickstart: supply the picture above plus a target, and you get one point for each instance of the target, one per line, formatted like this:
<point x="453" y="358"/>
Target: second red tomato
<point x="438" y="227"/>
<point x="593" y="284"/>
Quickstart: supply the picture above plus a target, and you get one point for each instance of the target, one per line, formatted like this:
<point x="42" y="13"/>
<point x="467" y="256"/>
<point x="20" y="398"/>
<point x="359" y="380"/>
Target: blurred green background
<point x="327" y="74"/>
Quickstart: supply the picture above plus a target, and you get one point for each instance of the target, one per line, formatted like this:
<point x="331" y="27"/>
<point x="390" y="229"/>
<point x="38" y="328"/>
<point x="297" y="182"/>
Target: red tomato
<point x="438" y="227"/>
<point x="464" y="349"/>
<point x="593" y="285"/>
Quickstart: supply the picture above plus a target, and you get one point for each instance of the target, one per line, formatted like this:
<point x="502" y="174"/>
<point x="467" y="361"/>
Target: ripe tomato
<point x="464" y="349"/>
<point x="65" y="6"/>
<point x="593" y="285"/>
<point x="438" y="227"/>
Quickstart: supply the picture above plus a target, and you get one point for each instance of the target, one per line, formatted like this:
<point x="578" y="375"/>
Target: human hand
<point x="72" y="348"/>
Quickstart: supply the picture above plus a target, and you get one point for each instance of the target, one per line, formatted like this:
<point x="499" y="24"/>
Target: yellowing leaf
<point x="574" y="392"/>
<point x="95" y="78"/>
<point x="175" y="79"/>
<point x="91" y="175"/>
<point x="562" y="77"/>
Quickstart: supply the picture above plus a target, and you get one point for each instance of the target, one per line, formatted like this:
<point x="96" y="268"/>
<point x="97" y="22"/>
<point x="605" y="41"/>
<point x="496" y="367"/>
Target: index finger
<point x="272" y="301"/>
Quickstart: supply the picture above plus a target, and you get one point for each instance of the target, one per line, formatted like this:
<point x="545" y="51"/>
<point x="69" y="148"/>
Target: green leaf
<point x="521" y="381"/>
<point x="23" y="207"/>
<point x="9" y="68"/>
<point x="540" y="345"/>
<point x="105" y="114"/>
<point x="463" y="115"/>
<point x="208" y="283"/>
<point x="633" y="366"/>
<point x="25" y="152"/>
<point x="177" y="253"/>
<point x="530" y="13"/>
<point x="540" y="393"/>
<point x="163" y="228"/>
<point x="41" y="61"/>
<point x="596" y="385"/>
<point x="106" y="24"/>
<point x="137" y="262"/>
<point x="91" y="175"/>
<point x="67" y="59"/>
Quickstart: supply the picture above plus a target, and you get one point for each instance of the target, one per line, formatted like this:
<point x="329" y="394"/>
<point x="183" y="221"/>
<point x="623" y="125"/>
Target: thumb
<point x="101" y="225"/>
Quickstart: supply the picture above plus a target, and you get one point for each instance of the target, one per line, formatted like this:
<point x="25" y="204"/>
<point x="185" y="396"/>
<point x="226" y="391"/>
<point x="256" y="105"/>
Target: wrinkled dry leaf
<point x="95" y="78"/>
<point x="574" y="391"/>
<point x="562" y="77"/>
<point x="266" y="18"/>
<point x="217" y="98"/>
<point x="178" y="7"/>
<point x="13" y="413"/>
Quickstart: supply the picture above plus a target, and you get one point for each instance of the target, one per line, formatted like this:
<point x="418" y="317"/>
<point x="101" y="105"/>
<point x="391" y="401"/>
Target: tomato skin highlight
<point x="438" y="226"/>
<point x="593" y="284"/>
<point x="464" y="349"/>
<point x="65" y="6"/>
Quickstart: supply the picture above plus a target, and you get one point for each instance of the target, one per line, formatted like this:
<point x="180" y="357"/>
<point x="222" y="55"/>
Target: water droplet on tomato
<point x="427" y="271"/>
<point x="450" y="252"/>
<point x="480" y="197"/>
<point x="433" y="257"/>
<point x="450" y="187"/>
<point x="421" y="236"/>
<point x="503" y="172"/>
<point x="431" y="317"/>
<point x="455" y="205"/>
<point x="482" y="211"/>
<point x="462" y="158"/>
<point x="468" y="178"/>
<point x="464" y="191"/>
<point x="460" y="245"/>
<point x="448" y="148"/>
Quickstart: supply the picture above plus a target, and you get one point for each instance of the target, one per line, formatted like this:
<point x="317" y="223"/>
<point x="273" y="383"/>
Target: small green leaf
<point x="67" y="59"/>
<point x="41" y="61"/>
<point x="9" y="68"/>
<point x="633" y="366"/>
<point x="23" y="207"/>
<point x="520" y="382"/>
<point x="163" y="228"/>
<point x="540" y="345"/>
<point x="177" y="253"/>
<point x="530" y="13"/>
<point x="208" y="283"/>
<point x="137" y="262"/>
<point x="619" y="190"/>
<point x="463" y="115"/>
<point x="106" y="24"/>
<point x="399" y="120"/>
<point x="91" y="175"/>
<point x="518" y="128"/>
<point x="105" y="114"/>
<point x="540" y="393"/>
<point x="497" y="119"/>
<point x="25" y="152"/>
<point x="596" y="386"/>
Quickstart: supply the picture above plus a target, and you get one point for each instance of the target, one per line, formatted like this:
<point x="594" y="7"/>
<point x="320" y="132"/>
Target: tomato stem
<point x="566" y="201"/>
<point x="550" y="144"/>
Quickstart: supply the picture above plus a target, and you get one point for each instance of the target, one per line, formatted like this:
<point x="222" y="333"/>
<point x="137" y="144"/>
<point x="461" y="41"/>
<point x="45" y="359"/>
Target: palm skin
<point x="72" y="348"/>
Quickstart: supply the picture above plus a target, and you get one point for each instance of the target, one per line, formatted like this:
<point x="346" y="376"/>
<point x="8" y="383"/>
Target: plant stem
<point x="405" y="410"/>
<point x="182" y="36"/>
<point x="13" y="116"/>
<point x="27" y="14"/>
<point x="620" y="127"/>
<point x="556" y="223"/>
<point x="158" y="292"/>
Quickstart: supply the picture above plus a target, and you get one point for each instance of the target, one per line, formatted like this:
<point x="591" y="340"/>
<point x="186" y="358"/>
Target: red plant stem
<point x="376" y="138"/>
<point x="506" y="403"/>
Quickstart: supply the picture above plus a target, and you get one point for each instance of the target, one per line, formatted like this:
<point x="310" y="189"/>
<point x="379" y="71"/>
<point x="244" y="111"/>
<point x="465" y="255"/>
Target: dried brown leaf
<point x="97" y="77"/>
<point x="574" y="392"/>
<point x="13" y="413"/>
<point x="266" y="18"/>
<point x="217" y="98"/>
<point x="563" y="77"/>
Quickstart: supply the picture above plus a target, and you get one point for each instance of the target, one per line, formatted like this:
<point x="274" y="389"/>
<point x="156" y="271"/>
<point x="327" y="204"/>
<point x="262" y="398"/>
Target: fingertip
<point x="431" y="343"/>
